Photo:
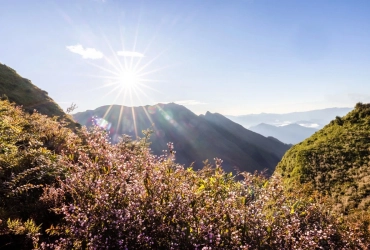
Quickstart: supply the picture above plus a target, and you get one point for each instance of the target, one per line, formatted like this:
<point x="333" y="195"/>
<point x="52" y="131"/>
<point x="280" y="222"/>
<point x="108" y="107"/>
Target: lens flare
<point x="101" y="122"/>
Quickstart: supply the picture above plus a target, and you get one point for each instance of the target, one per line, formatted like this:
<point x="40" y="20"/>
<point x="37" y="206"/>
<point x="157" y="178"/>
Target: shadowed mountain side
<point x="195" y="138"/>
<point x="225" y="125"/>
<point x="292" y="133"/>
<point x="22" y="92"/>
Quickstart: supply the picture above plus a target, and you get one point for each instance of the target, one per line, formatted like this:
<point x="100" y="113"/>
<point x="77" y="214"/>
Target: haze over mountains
<point x="289" y="128"/>
<point x="195" y="138"/>
<point x="313" y="118"/>
<point x="291" y="133"/>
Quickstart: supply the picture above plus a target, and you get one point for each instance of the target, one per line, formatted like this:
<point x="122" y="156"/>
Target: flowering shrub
<point x="123" y="197"/>
<point x="63" y="191"/>
<point x="29" y="153"/>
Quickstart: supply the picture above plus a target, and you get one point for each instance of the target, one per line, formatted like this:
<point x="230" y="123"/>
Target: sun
<point x="128" y="79"/>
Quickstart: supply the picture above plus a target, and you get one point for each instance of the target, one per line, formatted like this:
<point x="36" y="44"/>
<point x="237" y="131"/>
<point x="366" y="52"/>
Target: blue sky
<point x="228" y="56"/>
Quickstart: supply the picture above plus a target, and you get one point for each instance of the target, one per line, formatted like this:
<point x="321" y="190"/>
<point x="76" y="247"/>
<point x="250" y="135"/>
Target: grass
<point x="335" y="161"/>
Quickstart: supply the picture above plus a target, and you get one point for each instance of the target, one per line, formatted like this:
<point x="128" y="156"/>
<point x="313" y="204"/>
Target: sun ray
<point x="143" y="106"/>
<point x="148" y="46"/>
<point x="148" y="87"/>
<point x="133" y="116"/>
<point x="150" y="62"/>
<point x="136" y="37"/>
<point x="154" y="70"/>
<point x="150" y="119"/>
<point x="119" y="68"/>
<point x="106" y="112"/>
<point x="111" y="91"/>
<point x="119" y="119"/>
<point x="104" y="69"/>
<point x="114" y="55"/>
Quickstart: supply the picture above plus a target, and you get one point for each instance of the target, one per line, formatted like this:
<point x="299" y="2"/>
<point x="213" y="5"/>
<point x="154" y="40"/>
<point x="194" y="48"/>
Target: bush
<point x="29" y="154"/>
<point x="123" y="197"/>
<point x="63" y="191"/>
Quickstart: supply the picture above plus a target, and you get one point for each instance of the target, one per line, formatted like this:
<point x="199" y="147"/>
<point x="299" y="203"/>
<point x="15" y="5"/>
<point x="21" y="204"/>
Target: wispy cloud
<point x="129" y="53"/>
<point x="189" y="102"/>
<point x="86" y="53"/>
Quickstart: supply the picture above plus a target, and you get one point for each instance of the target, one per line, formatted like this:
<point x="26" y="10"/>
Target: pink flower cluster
<point x="123" y="197"/>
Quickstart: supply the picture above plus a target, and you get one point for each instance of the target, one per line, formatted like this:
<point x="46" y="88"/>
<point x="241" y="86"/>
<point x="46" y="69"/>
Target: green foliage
<point x="18" y="227"/>
<point x="29" y="148"/>
<point x="335" y="161"/>
<point x="28" y="229"/>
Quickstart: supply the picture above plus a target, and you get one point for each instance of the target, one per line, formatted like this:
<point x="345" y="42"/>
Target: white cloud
<point x="309" y="125"/>
<point x="88" y="53"/>
<point x="282" y="123"/>
<point x="129" y="53"/>
<point x="189" y="102"/>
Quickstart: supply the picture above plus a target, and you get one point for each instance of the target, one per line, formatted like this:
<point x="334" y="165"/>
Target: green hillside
<point x="22" y="92"/>
<point x="335" y="161"/>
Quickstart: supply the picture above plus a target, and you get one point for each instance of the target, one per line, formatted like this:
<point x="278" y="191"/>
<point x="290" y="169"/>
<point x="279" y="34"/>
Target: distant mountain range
<point x="195" y="138"/>
<point x="314" y="118"/>
<point x="292" y="133"/>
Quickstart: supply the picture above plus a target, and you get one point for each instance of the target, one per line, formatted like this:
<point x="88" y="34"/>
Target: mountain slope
<point x="271" y="145"/>
<point x="22" y="92"/>
<point x="292" y="133"/>
<point x="196" y="138"/>
<point x="335" y="161"/>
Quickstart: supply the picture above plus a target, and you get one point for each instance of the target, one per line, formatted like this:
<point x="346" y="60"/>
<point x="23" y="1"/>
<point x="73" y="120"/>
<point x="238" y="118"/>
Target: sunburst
<point x="126" y="78"/>
<point x="127" y="73"/>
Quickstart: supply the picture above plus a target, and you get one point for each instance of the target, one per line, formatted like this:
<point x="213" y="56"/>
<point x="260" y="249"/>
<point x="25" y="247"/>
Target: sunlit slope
<point x="335" y="160"/>
<point x="195" y="138"/>
<point x="22" y="92"/>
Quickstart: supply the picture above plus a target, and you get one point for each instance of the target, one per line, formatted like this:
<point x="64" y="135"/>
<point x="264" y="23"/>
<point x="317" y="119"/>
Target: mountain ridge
<point x="196" y="138"/>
